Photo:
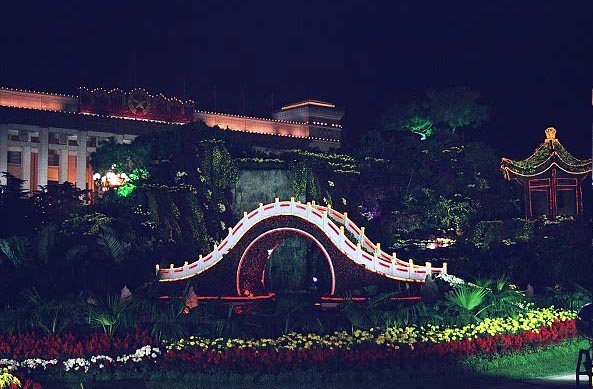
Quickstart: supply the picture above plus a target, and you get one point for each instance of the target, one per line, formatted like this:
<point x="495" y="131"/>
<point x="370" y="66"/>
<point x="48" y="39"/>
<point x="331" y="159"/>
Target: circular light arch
<point x="298" y="232"/>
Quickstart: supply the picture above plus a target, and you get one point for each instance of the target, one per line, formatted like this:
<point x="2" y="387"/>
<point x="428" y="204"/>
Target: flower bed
<point x="361" y="349"/>
<point x="373" y="348"/>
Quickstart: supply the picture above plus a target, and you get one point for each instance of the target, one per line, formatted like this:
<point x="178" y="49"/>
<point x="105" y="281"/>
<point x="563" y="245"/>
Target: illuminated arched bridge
<point x="236" y="266"/>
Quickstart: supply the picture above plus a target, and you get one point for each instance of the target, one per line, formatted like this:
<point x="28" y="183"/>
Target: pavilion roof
<point x="547" y="155"/>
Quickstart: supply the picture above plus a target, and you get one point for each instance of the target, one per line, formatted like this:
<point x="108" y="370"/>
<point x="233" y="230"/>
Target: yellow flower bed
<point x="529" y="321"/>
<point x="6" y="377"/>
<point x="390" y="337"/>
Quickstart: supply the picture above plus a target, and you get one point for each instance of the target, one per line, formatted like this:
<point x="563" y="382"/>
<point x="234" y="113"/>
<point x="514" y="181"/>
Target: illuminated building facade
<point x="551" y="178"/>
<point x="48" y="138"/>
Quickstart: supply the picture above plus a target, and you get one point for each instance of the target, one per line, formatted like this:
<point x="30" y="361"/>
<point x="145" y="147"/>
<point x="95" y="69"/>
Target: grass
<point x="555" y="360"/>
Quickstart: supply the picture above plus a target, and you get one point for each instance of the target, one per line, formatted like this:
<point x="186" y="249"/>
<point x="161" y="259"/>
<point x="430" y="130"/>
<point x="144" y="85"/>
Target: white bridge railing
<point x="363" y="251"/>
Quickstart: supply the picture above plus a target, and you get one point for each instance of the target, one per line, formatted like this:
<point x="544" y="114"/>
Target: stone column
<point x="43" y="151"/>
<point x="81" y="161"/>
<point x="3" y="153"/>
<point x="26" y="167"/>
<point x="63" y="168"/>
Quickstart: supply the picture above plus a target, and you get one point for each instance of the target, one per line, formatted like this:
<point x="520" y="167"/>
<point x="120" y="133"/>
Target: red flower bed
<point x="20" y="347"/>
<point x="240" y="360"/>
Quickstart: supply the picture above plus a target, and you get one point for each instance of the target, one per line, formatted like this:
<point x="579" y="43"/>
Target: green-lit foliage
<point x="304" y="183"/>
<point x="177" y="217"/>
<point x="218" y="170"/>
<point x="134" y="178"/>
<point x="411" y="117"/>
<point x="420" y="125"/>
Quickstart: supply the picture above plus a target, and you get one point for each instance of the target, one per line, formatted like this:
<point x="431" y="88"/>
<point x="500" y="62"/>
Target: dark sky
<point x="531" y="60"/>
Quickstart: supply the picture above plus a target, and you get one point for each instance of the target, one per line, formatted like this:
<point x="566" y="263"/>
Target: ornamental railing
<point x="332" y="223"/>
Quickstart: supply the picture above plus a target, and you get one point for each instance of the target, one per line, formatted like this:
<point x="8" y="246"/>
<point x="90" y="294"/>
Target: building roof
<point x="317" y="103"/>
<point x="546" y="156"/>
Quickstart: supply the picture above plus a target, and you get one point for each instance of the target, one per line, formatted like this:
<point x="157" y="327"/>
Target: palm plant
<point x="165" y="318"/>
<point x="168" y="320"/>
<point x="108" y="315"/>
<point x="466" y="303"/>
<point x="505" y="301"/>
<point x="562" y="298"/>
<point x="52" y="316"/>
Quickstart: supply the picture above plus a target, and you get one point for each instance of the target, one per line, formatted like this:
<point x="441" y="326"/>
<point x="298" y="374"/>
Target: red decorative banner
<point x="138" y="104"/>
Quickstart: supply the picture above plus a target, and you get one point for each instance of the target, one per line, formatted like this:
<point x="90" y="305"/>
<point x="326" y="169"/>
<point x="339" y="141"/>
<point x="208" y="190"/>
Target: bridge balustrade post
<point x="276" y="204"/>
<point x="428" y="266"/>
<point x="215" y="254"/>
<point x="444" y="271"/>
<point x="185" y="269"/>
<point x="342" y="238"/>
<point x="230" y="238"/>
<point x="324" y="221"/>
<point x="411" y="269"/>
<point x="377" y="248"/>
<point x="292" y="210"/>
<point x="346" y="220"/>
<point x="158" y="269"/>
<point x="200" y="263"/>
<point x="358" y="253"/>
<point x="393" y="264"/>
<point x="260" y="211"/>
<point x="375" y="261"/>
<point x="308" y="211"/>
<point x="361" y="236"/>
<point x="329" y="210"/>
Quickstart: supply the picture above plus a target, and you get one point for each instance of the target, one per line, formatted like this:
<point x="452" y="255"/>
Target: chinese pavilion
<point x="551" y="178"/>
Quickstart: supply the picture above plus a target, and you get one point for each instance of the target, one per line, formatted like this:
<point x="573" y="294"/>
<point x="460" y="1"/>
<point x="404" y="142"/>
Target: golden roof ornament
<point x="550" y="134"/>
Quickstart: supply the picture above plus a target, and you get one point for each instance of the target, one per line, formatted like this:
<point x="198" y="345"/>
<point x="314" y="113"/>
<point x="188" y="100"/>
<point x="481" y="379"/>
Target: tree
<point x="55" y="203"/>
<point x="15" y="201"/>
<point x="412" y="117"/>
<point x="371" y="144"/>
<point x="121" y="158"/>
<point x="456" y="108"/>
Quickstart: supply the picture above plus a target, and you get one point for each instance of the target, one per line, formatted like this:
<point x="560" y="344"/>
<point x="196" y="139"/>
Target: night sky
<point x="531" y="60"/>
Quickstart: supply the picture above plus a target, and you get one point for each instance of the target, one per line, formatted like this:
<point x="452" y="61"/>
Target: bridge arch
<point x="355" y="261"/>
<point x="241" y="285"/>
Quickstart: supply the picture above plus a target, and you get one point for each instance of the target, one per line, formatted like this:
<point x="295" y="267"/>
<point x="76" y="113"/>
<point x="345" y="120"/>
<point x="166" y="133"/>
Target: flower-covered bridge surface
<point x="236" y="266"/>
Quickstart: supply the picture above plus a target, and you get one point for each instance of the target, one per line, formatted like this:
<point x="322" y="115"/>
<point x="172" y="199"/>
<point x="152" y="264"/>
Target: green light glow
<point x="127" y="189"/>
<point x="138" y="173"/>
<point x="420" y="126"/>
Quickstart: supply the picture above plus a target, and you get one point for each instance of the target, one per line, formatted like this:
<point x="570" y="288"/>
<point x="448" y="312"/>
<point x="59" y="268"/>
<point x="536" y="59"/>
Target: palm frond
<point x="16" y="249"/>
<point x="111" y="245"/>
